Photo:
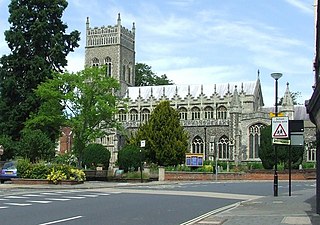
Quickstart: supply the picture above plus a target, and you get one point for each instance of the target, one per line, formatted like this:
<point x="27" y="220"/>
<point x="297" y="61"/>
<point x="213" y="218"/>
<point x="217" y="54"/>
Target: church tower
<point x="113" y="46"/>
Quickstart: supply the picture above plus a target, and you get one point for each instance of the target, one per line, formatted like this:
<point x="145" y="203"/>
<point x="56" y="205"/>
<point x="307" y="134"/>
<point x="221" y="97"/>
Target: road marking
<point x="62" y="220"/>
<point x="3" y="207"/>
<point x="17" y="204"/>
<point x="49" y="193"/>
<point x="74" y="197"/>
<point x="216" y="211"/>
<point x="58" y="199"/>
<point x="89" y="196"/>
<point x="2" y="199"/>
<point x="15" y="197"/>
<point x="41" y="202"/>
<point x="32" y="195"/>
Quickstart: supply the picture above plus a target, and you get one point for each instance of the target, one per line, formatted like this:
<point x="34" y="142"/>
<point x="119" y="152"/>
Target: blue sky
<point x="207" y="41"/>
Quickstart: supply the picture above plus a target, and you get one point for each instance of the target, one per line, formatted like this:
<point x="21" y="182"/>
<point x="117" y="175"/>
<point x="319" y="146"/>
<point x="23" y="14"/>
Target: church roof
<point x="169" y="91"/>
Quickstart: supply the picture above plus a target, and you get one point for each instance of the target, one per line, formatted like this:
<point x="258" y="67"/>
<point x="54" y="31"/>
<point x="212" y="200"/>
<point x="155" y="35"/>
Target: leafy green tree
<point x="129" y="158"/>
<point x="39" y="45"/>
<point x="166" y="140"/>
<point x="267" y="154"/>
<point x="95" y="154"/>
<point x="146" y="77"/>
<point x="9" y="147"/>
<point x="89" y="104"/>
<point x="35" y="145"/>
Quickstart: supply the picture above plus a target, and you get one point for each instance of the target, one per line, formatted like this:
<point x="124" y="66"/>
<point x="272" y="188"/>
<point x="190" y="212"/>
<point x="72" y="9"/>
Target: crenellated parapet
<point x="110" y="35"/>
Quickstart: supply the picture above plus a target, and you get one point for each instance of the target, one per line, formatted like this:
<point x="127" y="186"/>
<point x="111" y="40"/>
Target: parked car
<point x="8" y="171"/>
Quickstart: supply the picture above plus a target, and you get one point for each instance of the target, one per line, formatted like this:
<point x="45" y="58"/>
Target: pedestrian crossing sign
<point x="280" y="127"/>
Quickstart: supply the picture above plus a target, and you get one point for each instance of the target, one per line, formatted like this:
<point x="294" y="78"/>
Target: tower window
<point x="95" y="62"/>
<point x="222" y="113"/>
<point x="195" y="113"/>
<point x="109" y="66"/>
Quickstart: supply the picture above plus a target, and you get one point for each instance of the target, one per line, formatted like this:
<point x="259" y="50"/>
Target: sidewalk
<point x="296" y="209"/>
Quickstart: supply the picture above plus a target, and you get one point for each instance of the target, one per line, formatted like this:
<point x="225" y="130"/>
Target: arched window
<point x="208" y="112"/>
<point x="222" y="112"/>
<point x="95" y="62"/>
<point x="197" y="145"/>
<point x="122" y="115"/>
<point x="145" y="115"/>
<point x="254" y="140"/>
<point x="134" y="115"/>
<point x="223" y="148"/>
<point x="195" y="113"/>
<point x="129" y="74"/>
<point x="109" y="66"/>
<point x="183" y="113"/>
<point x="123" y="72"/>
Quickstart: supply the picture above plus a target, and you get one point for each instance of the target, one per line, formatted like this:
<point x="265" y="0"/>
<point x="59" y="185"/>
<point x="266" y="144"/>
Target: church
<point x="223" y="119"/>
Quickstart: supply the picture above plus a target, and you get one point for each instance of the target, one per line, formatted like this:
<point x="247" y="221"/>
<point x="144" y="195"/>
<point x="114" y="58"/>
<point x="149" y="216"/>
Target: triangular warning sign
<point x="280" y="132"/>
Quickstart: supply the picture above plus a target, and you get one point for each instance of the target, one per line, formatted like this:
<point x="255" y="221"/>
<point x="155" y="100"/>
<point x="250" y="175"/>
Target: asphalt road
<point x="261" y="188"/>
<point x="169" y="204"/>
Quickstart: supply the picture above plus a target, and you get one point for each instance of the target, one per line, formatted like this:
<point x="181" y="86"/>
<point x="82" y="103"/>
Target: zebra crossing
<point x="23" y="200"/>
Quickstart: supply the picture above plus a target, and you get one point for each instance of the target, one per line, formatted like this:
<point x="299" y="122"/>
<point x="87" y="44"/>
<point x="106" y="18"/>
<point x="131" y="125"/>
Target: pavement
<point x="297" y="209"/>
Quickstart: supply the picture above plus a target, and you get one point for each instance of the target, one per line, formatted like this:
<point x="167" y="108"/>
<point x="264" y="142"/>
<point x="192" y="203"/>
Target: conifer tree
<point x="39" y="45"/>
<point x="166" y="140"/>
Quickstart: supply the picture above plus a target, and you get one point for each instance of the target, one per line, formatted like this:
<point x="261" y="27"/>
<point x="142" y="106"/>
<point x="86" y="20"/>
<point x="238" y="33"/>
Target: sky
<point x="207" y="41"/>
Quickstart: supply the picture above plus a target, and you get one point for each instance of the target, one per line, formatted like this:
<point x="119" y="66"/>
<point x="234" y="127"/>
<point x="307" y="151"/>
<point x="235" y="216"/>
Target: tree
<point x="267" y="155"/>
<point x="145" y="76"/>
<point x="39" y="45"/>
<point x="166" y="139"/>
<point x="95" y="154"/>
<point x="88" y="100"/>
<point x="35" y="145"/>
<point x="129" y="158"/>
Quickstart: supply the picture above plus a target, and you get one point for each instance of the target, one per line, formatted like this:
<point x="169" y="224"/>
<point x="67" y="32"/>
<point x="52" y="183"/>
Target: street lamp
<point x="276" y="77"/>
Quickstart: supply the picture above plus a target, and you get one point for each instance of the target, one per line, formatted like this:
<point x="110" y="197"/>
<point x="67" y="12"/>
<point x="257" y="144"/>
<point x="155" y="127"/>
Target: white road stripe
<point x="89" y="196"/>
<point x="58" y="199"/>
<point x="62" y="220"/>
<point x="17" y="204"/>
<point x="32" y="195"/>
<point x="15" y="197"/>
<point x="4" y="207"/>
<point x="2" y="199"/>
<point x="74" y="197"/>
<point x="49" y="193"/>
<point x="41" y="202"/>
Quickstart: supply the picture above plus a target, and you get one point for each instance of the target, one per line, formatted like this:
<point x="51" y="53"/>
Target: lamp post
<point x="276" y="77"/>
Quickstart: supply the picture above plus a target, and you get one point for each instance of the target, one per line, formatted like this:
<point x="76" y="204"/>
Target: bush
<point x="53" y="172"/>
<point x="95" y="154"/>
<point x="129" y="158"/>
<point x="24" y="168"/>
<point x="35" y="145"/>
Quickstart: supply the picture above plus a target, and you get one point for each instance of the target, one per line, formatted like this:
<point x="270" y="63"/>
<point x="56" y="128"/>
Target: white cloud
<point x="301" y="5"/>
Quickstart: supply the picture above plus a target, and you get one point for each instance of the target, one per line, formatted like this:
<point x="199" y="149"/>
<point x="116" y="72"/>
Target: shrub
<point x="39" y="171"/>
<point x="95" y="154"/>
<point x="56" y="175"/>
<point x="129" y="158"/>
<point x="24" y="168"/>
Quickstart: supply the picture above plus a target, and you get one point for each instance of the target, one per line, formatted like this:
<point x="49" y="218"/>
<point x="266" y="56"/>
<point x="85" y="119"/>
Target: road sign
<point x="271" y="114"/>
<point x="280" y="127"/>
<point x="281" y="141"/>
